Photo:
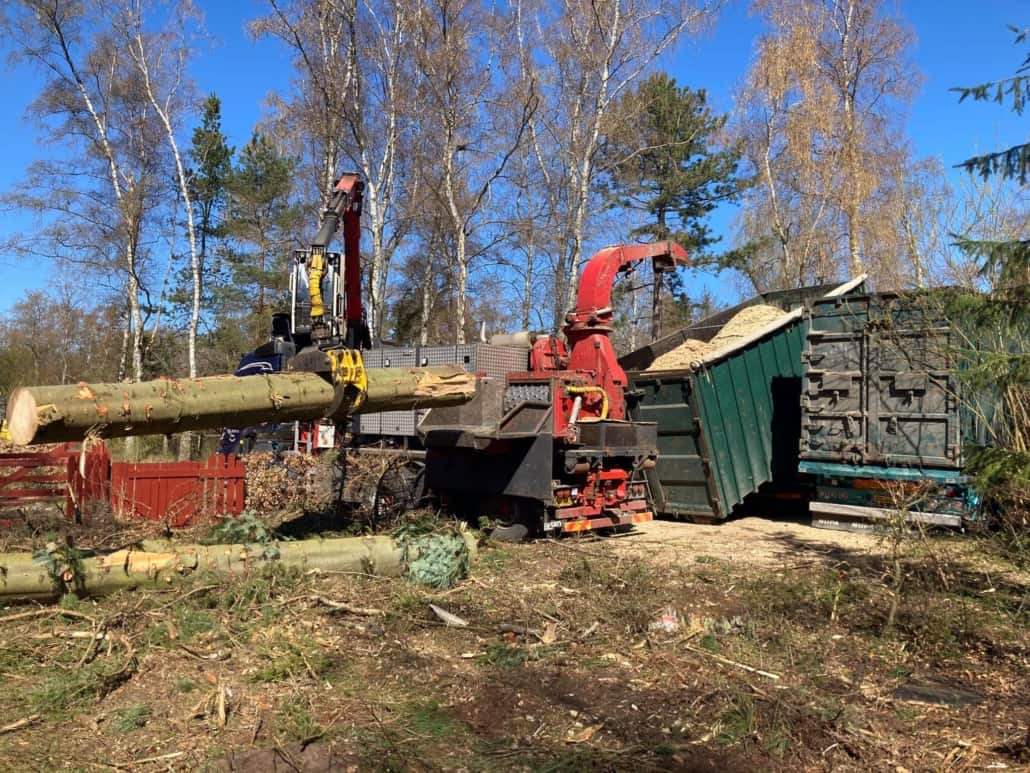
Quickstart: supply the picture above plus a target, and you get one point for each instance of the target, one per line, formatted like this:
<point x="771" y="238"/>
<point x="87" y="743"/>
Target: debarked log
<point x="57" y="414"/>
<point x="156" y="564"/>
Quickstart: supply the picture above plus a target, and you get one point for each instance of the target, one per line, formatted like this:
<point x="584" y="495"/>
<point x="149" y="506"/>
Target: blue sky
<point x="958" y="43"/>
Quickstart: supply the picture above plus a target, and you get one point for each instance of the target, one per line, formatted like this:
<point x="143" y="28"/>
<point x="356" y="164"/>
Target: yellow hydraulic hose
<point x="583" y="390"/>
<point x="315" y="270"/>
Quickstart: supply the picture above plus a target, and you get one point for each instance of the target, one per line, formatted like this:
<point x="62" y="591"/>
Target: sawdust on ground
<point x="749" y="541"/>
<point x="741" y="325"/>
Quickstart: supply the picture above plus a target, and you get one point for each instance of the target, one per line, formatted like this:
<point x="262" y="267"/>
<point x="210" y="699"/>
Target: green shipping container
<point x="730" y="424"/>
<point x="726" y="428"/>
<point x="881" y="388"/>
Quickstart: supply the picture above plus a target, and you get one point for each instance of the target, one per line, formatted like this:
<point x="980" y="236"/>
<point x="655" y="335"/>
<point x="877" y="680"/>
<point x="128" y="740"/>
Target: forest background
<point x="148" y="227"/>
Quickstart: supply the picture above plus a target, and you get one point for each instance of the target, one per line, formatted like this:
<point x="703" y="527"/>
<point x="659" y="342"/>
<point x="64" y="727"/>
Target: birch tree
<point x="471" y="124"/>
<point x="352" y="103"/>
<point x="378" y="124"/>
<point x="821" y="116"/>
<point x="160" y="59"/>
<point x="318" y="32"/>
<point x="94" y="104"/>
<point x="584" y="55"/>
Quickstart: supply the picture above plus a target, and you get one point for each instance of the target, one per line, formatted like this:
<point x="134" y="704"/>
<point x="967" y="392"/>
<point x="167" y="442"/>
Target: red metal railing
<point x="178" y="492"/>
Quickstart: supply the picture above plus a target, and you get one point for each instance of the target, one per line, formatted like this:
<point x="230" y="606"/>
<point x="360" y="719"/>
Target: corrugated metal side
<point x="716" y="442"/>
<point x="736" y="403"/>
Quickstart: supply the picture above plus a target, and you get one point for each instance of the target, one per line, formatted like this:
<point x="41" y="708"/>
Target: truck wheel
<point x="511" y="532"/>
<point x="521" y="517"/>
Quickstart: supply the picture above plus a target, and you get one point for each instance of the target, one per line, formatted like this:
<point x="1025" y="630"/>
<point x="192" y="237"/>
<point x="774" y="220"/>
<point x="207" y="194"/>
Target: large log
<point x="57" y="414"/>
<point x="154" y="564"/>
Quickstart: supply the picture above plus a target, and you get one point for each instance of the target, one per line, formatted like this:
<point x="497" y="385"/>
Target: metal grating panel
<point x="370" y="424"/>
<point x="437" y="355"/>
<point x="520" y="393"/>
<point x="397" y="423"/>
<point x="372" y="358"/>
<point x="495" y="361"/>
<point x="399" y="357"/>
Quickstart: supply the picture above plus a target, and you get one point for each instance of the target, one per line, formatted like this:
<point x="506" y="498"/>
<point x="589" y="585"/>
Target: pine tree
<point x="261" y="219"/>
<point x="665" y="162"/>
<point x="1002" y="315"/>
<point x="212" y="159"/>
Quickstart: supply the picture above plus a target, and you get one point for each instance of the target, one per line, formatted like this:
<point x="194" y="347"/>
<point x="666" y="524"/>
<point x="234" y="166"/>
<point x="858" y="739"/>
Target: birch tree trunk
<point x="53" y="18"/>
<point x="580" y="194"/>
<point x="457" y="234"/>
<point x="427" y="302"/>
<point x="164" y="110"/>
<point x="141" y="56"/>
<point x="379" y="116"/>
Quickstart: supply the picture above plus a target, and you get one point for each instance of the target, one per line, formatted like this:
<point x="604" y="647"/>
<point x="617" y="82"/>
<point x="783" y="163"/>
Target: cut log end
<point x="22" y="417"/>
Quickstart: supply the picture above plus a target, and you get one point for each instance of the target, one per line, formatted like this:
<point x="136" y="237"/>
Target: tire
<point x="513" y="532"/>
<point x="524" y="519"/>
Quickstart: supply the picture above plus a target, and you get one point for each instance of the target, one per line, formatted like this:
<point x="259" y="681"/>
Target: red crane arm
<point x="344" y="208"/>
<point x="352" y="186"/>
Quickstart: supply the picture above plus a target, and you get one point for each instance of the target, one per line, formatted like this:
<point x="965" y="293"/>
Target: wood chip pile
<point x="740" y="326"/>
<point x="296" y="482"/>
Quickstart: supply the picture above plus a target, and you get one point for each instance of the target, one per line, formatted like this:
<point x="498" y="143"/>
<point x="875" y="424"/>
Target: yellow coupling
<point x="586" y="390"/>
<point x="349" y="377"/>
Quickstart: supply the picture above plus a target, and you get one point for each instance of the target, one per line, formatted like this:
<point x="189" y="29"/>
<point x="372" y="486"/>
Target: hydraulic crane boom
<point x="328" y="325"/>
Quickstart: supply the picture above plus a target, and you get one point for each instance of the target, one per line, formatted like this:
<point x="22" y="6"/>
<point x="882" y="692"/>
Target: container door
<point x="912" y="397"/>
<point x="833" y="397"/>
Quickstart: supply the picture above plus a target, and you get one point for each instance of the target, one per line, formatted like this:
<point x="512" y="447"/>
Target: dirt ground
<point x="751" y="645"/>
